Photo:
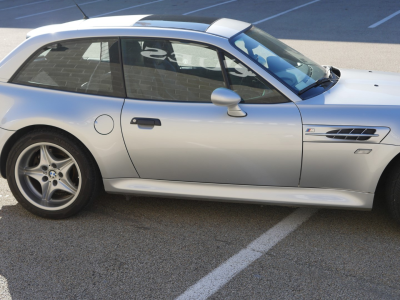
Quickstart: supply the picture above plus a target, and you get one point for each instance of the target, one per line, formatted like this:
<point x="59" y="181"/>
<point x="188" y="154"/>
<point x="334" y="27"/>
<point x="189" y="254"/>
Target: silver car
<point x="191" y="107"/>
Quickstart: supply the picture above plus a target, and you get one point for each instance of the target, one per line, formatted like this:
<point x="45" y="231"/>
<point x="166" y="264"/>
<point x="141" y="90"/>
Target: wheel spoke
<point x="65" y="165"/>
<point x="67" y="186"/>
<point x="34" y="172"/>
<point x="46" y="158"/>
<point x="47" y="191"/>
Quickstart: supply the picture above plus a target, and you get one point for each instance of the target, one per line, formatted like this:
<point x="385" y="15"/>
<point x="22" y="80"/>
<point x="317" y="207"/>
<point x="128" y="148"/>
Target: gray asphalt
<point x="155" y="248"/>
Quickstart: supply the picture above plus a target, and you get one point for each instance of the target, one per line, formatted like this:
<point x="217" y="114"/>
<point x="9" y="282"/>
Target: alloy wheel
<point x="48" y="176"/>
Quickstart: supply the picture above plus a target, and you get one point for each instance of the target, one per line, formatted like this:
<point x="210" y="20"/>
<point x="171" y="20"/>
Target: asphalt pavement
<point x="158" y="248"/>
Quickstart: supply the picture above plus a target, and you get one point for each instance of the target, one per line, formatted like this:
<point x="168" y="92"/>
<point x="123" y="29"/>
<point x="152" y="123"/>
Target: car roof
<point x="223" y="27"/>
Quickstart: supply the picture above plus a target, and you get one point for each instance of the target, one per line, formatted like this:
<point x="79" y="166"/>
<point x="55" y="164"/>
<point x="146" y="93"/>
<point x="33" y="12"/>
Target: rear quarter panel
<point x="22" y="106"/>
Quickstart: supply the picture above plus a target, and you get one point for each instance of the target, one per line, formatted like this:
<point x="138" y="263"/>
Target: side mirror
<point x="226" y="97"/>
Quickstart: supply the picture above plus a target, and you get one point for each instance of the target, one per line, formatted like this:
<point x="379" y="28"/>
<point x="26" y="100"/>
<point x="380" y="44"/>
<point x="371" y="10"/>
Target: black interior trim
<point x="221" y="58"/>
<point x="122" y="66"/>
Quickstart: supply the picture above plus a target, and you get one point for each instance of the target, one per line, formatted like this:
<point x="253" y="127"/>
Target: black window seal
<point x="65" y="91"/>
<point x="141" y="38"/>
<point x="121" y="64"/>
<point x="221" y="58"/>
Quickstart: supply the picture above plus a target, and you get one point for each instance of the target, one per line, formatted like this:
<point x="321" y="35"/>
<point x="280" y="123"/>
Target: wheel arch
<point x="380" y="187"/>
<point x="22" y="131"/>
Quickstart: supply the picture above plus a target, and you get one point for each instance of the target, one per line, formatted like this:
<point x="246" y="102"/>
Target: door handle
<point x="146" y="121"/>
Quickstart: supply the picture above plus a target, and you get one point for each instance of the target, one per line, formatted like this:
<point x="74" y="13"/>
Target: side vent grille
<point x="344" y="133"/>
<point x="356" y="134"/>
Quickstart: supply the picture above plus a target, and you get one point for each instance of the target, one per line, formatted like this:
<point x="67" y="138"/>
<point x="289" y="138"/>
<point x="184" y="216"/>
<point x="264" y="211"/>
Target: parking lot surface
<point x="159" y="248"/>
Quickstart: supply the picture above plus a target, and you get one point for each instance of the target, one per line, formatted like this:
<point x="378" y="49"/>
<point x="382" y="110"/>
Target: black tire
<point x="89" y="179"/>
<point x="392" y="191"/>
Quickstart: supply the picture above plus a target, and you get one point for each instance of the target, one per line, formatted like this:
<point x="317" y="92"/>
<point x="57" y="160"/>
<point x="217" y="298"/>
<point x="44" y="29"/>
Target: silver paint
<point x="104" y="22"/>
<point x="228" y="98"/>
<point x="227" y="27"/>
<point x="355" y="101"/>
<point x="200" y="142"/>
<point x="334" y="165"/>
<point x="23" y="106"/>
<point x="242" y="193"/>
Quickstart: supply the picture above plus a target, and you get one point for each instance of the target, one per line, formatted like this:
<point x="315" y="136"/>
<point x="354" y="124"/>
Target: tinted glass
<point x="168" y="70"/>
<point x="85" y="66"/>
<point x="249" y="86"/>
<point x="293" y="68"/>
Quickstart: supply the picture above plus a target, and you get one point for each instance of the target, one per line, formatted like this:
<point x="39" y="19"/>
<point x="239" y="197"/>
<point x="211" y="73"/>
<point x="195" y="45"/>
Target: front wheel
<point x="392" y="191"/>
<point x="51" y="174"/>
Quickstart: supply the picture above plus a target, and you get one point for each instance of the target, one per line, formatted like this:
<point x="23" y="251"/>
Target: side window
<point x="250" y="86"/>
<point x="170" y="70"/>
<point x="84" y="66"/>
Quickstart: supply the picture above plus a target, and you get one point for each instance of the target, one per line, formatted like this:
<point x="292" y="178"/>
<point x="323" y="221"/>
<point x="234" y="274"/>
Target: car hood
<point x="356" y="87"/>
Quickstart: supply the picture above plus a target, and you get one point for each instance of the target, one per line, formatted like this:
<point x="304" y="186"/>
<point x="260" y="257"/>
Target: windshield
<point x="292" y="67"/>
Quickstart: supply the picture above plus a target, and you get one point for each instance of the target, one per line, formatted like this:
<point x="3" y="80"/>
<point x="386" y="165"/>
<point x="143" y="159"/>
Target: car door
<point x="173" y="132"/>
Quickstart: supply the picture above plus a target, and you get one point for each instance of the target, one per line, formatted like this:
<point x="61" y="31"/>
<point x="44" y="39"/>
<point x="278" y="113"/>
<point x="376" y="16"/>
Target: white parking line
<point x="212" y="282"/>
<point x="285" y="12"/>
<point x="384" y="20"/>
<point x="24" y="5"/>
<point x="4" y="291"/>
<point x="111" y="12"/>
<point x="193" y="11"/>
<point x="65" y="7"/>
